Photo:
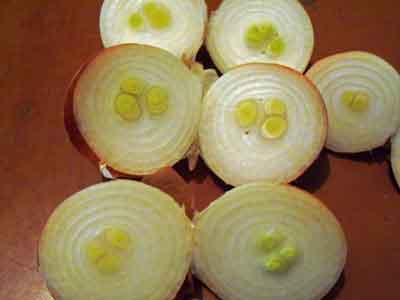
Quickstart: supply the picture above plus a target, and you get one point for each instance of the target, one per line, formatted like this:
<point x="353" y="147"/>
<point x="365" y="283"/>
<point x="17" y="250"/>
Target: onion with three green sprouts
<point x="138" y="107"/>
<point x="262" y="122"/>
<point x="274" y="31"/>
<point x="268" y="242"/>
<point x="121" y="240"/>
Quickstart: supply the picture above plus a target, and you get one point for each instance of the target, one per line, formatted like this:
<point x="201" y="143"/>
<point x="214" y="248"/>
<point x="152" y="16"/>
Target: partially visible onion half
<point x="395" y="157"/>
<point x="144" y="143"/>
<point x="267" y="242"/>
<point x="282" y="23"/>
<point x="243" y="155"/>
<point x="362" y="96"/>
<point x="182" y="35"/>
<point x="121" y="240"/>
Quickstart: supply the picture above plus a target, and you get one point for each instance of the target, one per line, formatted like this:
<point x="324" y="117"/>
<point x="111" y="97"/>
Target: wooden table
<point x="42" y="44"/>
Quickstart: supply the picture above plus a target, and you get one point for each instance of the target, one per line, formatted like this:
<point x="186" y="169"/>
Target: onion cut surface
<point x="120" y="240"/>
<point x="229" y="258"/>
<point x="274" y="31"/>
<point x="395" y="157"/>
<point x="362" y="96"/>
<point x="167" y="94"/>
<point x="130" y="21"/>
<point x="242" y="155"/>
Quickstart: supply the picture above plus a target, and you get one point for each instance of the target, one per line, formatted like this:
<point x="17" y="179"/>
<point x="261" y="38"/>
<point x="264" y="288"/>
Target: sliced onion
<point x="150" y="143"/>
<point x="160" y="233"/>
<point x="228" y="25"/>
<point x="183" y="37"/>
<point x="240" y="155"/>
<point x="227" y="257"/>
<point x="395" y="157"/>
<point x="365" y="73"/>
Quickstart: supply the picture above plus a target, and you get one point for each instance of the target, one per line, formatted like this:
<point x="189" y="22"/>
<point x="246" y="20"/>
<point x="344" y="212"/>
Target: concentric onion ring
<point x="228" y="25"/>
<point x="365" y="73"/>
<point x="183" y="37"/>
<point x="161" y="236"/>
<point x="228" y="260"/>
<point x="150" y="143"/>
<point x="241" y="156"/>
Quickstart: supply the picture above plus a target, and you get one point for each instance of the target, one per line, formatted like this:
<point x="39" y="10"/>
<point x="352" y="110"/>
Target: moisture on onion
<point x="138" y="107"/>
<point x="263" y="241"/>
<point x="262" y="122"/>
<point x="121" y="240"/>
<point x="174" y="25"/>
<point x="362" y="96"/>
<point x="274" y="31"/>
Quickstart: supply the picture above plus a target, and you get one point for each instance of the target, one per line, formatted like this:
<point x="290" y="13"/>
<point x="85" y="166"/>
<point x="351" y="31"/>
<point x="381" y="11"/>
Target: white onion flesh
<point x="183" y="37"/>
<point x="395" y="157"/>
<point x="149" y="144"/>
<point x="227" y="260"/>
<point x="159" y="228"/>
<point x="239" y="156"/>
<point x="351" y="132"/>
<point x="227" y="27"/>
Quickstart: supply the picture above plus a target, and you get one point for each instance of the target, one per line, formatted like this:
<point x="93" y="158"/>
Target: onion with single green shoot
<point x="138" y="108"/>
<point x="274" y="31"/>
<point x="262" y="122"/>
<point x="263" y="241"/>
<point x="121" y="240"/>
<point x="174" y="25"/>
<point x="362" y="96"/>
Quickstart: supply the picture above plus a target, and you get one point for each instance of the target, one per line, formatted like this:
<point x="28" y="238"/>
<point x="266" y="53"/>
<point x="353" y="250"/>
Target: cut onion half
<point x="395" y="157"/>
<point x="282" y="128"/>
<point x="174" y="25"/>
<point x="138" y="108"/>
<point x="265" y="242"/>
<point x="362" y="96"/>
<point x="120" y="240"/>
<point x="274" y="31"/>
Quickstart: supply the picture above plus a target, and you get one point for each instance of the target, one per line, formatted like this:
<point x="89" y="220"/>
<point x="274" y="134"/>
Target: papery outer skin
<point x="239" y="158"/>
<point x="152" y="218"/>
<point x="183" y="38"/>
<point x="227" y="260"/>
<point x="352" y="132"/>
<point x="154" y="143"/>
<point x="228" y="24"/>
<point x="395" y="157"/>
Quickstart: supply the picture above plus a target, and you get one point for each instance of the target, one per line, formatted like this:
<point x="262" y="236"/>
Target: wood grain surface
<point x="43" y="43"/>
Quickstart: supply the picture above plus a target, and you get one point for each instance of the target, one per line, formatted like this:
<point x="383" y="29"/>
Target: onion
<point x="395" y="157"/>
<point x="362" y="97"/>
<point x="241" y="155"/>
<point x="162" y="132"/>
<point x="241" y="32"/>
<point x="265" y="241"/>
<point x="120" y="240"/>
<point x="182" y="35"/>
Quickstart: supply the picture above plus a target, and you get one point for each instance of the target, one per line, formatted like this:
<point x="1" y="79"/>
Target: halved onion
<point x="157" y="121"/>
<point x="274" y="31"/>
<point x="362" y="97"/>
<point x="272" y="146"/>
<point x="264" y="241"/>
<point x="174" y="25"/>
<point x="120" y="240"/>
<point x="395" y="157"/>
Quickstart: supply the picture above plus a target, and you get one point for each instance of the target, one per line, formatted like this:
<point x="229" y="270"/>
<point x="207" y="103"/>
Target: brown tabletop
<point x="42" y="44"/>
